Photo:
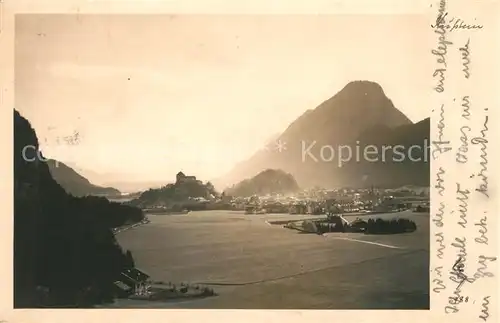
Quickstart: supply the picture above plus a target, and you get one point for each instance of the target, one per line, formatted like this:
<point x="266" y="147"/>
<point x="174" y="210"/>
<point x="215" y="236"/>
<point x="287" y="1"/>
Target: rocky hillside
<point x="65" y="253"/>
<point x="175" y="194"/>
<point x="270" y="181"/>
<point x="74" y="183"/>
<point x="358" y="115"/>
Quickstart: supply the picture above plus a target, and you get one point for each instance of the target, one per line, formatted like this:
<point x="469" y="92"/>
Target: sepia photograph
<point x="198" y="161"/>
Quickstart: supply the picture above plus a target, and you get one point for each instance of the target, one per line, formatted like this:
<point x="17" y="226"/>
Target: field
<point x="252" y="264"/>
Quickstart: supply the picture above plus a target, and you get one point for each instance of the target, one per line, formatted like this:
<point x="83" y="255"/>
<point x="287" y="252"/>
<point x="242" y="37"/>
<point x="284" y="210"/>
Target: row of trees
<point x="380" y="226"/>
<point x="372" y="226"/>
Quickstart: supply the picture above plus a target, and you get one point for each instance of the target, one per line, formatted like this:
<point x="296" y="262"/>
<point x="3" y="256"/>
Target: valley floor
<point x="252" y="264"/>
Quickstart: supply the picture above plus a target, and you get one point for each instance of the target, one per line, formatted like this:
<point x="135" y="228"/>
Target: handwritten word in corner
<point x="444" y="21"/>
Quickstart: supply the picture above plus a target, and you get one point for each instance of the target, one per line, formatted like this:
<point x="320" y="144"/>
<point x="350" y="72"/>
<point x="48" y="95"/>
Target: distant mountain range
<point x="120" y="181"/>
<point x="269" y="181"/>
<point x="74" y="183"/>
<point x="357" y="116"/>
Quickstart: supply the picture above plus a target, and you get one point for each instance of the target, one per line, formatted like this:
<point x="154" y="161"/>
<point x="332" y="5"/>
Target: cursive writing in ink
<point x="461" y="155"/>
<point x="439" y="72"/>
<point x="441" y="18"/>
<point x="438" y="217"/>
<point x="484" y="309"/>
<point x="483" y="187"/>
<point x="440" y="285"/>
<point x="463" y="206"/>
<point x="460" y="24"/>
<point x="438" y="281"/>
<point x="440" y="142"/>
<point x="453" y="23"/>
<point x="442" y="47"/>
<point x="466" y="107"/>
<point x="440" y="240"/>
<point x="450" y="309"/>
<point x="440" y="181"/>
<point x="458" y="276"/>
<point x="460" y="244"/>
<point x="457" y="272"/>
<point x="465" y="59"/>
<point x="483" y="229"/>
<point x="483" y="267"/>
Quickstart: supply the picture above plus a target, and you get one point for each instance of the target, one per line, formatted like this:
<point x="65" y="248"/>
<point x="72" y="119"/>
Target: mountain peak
<point x="363" y="85"/>
<point x="360" y="110"/>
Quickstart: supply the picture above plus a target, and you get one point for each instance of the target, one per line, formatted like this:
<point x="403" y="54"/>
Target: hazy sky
<point x="150" y="95"/>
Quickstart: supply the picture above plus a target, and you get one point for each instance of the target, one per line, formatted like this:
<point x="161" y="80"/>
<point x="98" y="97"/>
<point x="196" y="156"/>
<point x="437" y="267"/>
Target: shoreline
<point x="131" y="226"/>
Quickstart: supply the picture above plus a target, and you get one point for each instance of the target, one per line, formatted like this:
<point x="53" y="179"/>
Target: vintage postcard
<point x="237" y="156"/>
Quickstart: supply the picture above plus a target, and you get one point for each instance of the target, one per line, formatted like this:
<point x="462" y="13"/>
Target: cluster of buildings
<point x="312" y="201"/>
<point x="320" y="201"/>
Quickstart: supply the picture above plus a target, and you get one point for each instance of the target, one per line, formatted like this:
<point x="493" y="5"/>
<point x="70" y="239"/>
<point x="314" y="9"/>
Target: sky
<point x="150" y="95"/>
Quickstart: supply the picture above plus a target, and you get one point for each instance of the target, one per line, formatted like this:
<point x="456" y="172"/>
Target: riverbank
<point x="129" y="226"/>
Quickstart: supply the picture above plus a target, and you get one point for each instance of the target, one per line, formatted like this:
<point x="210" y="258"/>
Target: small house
<point x="131" y="281"/>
